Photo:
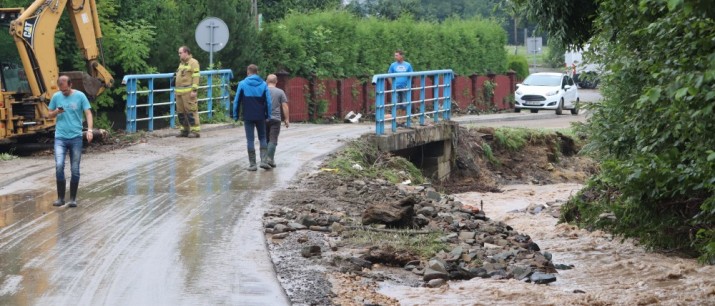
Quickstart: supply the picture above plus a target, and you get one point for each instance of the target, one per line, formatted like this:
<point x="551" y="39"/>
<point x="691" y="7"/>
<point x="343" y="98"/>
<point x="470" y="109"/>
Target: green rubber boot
<point x="271" y="155"/>
<point x="264" y="159"/>
<point x="252" y="160"/>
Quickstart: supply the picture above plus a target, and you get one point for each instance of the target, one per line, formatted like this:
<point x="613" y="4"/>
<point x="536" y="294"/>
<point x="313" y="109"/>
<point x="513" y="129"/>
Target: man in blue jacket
<point x="253" y="97"/>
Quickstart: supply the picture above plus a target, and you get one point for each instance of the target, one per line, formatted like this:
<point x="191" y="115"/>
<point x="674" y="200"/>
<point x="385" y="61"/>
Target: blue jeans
<point x="74" y="147"/>
<point x="258" y="125"/>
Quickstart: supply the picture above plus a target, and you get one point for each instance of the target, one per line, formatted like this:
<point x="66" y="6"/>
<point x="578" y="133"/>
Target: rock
<point x="398" y="214"/>
<point x="294" y="226"/>
<point x="310" y="251"/>
<point x="280" y="228"/>
<point x="563" y="267"/>
<point x="542" y="278"/>
<point x="520" y="272"/>
<point x="535" y="208"/>
<point x="464" y="236"/>
<point x="468" y="257"/>
<point x="418" y="271"/>
<point x="337" y="227"/>
<point x="503" y="256"/>
<point x="302" y="239"/>
<point x="359" y="183"/>
<point x="359" y="262"/>
<point x="421" y="220"/>
<point x="317" y="228"/>
<point x="427" y="211"/>
<point x="456" y="253"/>
<point x="436" y="283"/>
<point x="547" y="255"/>
<point x="532" y="246"/>
<point x="279" y="236"/>
<point x="434" y="195"/>
<point x="579" y="291"/>
<point x="306" y="220"/>
<point x="491" y="246"/>
<point x="435" y="269"/>
<point x="479" y="272"/>
<point x="470" y="241"/>
<point x="549" y="167"/>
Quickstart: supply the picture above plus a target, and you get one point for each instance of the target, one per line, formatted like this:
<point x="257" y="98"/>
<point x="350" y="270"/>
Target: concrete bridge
<point x="430" y="148"/>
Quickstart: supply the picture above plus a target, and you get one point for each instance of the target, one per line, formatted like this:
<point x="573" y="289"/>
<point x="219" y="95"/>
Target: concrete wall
<point x="430" y="148"/>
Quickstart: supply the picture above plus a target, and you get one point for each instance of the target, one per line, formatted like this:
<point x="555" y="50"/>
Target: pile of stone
<point x="478" y="246"/>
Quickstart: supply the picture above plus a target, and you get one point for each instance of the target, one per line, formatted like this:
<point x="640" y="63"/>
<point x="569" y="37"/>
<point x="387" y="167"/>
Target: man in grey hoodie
<point x="254" y="99"/>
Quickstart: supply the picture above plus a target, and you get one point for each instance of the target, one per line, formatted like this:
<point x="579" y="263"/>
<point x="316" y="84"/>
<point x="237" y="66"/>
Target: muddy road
<point x="170" y="221"/>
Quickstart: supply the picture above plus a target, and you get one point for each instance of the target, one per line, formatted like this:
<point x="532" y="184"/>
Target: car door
<point x="571" y="93"/>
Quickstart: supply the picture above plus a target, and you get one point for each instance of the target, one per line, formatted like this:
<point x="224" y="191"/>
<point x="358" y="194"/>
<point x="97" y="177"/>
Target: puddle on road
<point x="608" y="271"/>
<point x="159" y="223"/>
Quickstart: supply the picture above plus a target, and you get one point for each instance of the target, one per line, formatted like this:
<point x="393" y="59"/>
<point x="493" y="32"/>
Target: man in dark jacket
<point x="253" y="97"/>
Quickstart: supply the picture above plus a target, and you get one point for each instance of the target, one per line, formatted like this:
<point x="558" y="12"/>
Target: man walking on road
<point x="187" y="86"/>
<point x="67" y="105"/>
<point x="279" y="112"/>
<point x="253" y="97"/>
<point x="401" y="83"/>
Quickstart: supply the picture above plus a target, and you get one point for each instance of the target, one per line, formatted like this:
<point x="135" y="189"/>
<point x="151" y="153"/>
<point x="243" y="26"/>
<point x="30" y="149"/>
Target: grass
<point x="7" y="156"/>
<point x="361" y="159"/>
<point x="521" y="50"/>
<point x="425" y="245"/>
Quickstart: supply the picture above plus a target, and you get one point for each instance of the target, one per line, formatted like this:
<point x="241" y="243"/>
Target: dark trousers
<point x="273" y="128"/>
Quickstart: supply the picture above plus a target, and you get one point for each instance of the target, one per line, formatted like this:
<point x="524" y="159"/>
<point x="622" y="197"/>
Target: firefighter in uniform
<point x="187" y="85"/>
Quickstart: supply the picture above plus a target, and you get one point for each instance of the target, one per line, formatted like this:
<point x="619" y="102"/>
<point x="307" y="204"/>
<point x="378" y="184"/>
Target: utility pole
<point x="254" y="11"/>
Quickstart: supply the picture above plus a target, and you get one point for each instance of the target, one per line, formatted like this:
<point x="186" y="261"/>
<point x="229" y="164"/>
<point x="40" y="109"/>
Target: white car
<point x="547" y="90"/>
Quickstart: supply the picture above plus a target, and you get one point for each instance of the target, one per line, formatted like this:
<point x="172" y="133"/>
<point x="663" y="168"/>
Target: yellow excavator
<point x="25" y="92"/>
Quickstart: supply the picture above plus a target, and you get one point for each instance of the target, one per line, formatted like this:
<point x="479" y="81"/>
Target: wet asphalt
<point x="184" y="230"/>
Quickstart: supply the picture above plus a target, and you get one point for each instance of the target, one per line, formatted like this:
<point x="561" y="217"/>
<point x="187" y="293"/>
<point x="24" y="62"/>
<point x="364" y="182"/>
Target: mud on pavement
<point x="335" y="238"/>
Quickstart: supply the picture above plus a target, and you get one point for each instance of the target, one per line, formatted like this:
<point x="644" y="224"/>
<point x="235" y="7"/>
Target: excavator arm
<point x="34" y="35"/>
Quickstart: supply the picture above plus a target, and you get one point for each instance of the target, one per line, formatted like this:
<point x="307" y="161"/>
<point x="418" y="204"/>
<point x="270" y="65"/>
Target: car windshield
<point x="543" y="80"/>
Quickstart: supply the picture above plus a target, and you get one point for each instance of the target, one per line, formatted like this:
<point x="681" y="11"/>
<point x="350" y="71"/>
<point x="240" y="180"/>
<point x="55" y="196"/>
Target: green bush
<point x="652" y="133"/>
<point x="519" y="64"/>
<point x="336" y="44"/>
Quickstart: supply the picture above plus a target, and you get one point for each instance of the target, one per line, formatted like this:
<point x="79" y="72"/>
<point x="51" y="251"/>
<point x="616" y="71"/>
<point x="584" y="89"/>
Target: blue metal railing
<point x="441" y="79"/>
<point x="134" y="91"/>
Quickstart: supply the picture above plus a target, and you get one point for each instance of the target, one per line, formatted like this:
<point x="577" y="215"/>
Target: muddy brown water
<point x="607" y="271"/>
<point x="175" y="221"/>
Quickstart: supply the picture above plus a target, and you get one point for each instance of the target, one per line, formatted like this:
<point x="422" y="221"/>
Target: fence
<point x="159" y="86"/>
<point x="441" y="98"/>
<point x="316" y="99"/>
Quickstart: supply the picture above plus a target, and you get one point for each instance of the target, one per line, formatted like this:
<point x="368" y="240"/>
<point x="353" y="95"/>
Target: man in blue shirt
<point x="68" y="105"/>
<point x="254" y="99"/>
<point x="402" y="84"/>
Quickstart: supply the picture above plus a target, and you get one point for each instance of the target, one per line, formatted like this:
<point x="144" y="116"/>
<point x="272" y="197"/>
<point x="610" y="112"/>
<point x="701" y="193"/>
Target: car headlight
<point x="551" y="93"/>
<point x="518" y="92"/>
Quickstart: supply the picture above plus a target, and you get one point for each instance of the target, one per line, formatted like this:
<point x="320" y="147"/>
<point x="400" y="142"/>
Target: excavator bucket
<point x="84" y="82"/>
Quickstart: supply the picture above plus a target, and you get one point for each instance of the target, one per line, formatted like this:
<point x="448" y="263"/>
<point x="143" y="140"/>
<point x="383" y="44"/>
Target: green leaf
<point x="711" y="157"/>
<point x="680" y="93"/>
<point x="653" y="94"/>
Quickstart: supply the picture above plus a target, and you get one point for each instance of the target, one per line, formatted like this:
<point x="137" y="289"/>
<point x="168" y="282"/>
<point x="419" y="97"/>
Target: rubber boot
<point x="271" y="155"/>
<point x="252" y="160"/>
<point x="264" y="158"/>
<point x="60" y="194"/>
<point x="73" y="194"/>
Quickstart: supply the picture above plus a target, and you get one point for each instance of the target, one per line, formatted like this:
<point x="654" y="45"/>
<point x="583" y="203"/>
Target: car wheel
<point x="560" y="109"/>
<point x="534" y="111"/>
<point x="517" y="110"/>
<point x="574" y="110"/>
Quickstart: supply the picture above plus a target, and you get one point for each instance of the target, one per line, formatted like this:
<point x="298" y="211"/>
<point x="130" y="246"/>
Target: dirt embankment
<point x="334" y="238"/>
